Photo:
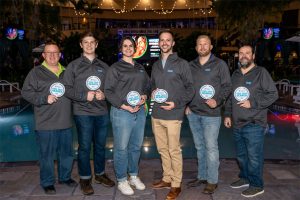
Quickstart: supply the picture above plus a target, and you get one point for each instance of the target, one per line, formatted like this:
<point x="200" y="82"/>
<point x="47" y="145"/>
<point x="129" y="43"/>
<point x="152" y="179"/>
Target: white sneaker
<point x="125" y="188"/>
<point x="136" y="182"/>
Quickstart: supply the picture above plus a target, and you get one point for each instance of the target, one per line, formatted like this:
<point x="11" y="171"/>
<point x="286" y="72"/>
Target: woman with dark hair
<point x="84" y="79"/>
<point x="126" y="88"/>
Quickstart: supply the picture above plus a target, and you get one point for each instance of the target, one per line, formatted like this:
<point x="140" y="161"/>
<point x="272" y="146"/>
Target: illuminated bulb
<point x="146" y="149"/>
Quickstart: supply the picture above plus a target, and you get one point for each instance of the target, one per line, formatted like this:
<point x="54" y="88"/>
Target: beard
<point x="204" y="53"/>
<point x="245" y="64"/>
<point x="167" y="50"/>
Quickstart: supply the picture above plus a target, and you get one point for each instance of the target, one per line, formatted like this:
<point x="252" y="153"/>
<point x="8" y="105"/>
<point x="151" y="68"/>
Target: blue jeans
<point x="128" y="130"/>
<point x="205" y="131"/>
<point x="91" y="129"/>
<point x="249" y="141"/>
<point x="55" y="143"/>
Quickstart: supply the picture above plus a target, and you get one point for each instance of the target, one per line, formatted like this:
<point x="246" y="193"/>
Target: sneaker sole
<point x="133" y="186"/>
<point x="127" y="194"/>
<point x="241" y="186"/>
<point x="253" y="195"/>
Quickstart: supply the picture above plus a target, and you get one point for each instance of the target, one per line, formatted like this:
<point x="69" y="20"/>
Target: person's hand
<point x="90" y="95"/>
<point x="99" y="95"/>
<point x="170" y="105"/>
<point x="245" y="104"/>
<point x="187" y="110"/>
<point x="52" y="99"/>
<point x="130" y="109"/>
<point x="227" y="122"/>
<point x="211" y="103"/>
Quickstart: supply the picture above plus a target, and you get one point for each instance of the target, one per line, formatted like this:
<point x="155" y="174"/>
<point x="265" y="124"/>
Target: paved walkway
<point x="20" y="181"/>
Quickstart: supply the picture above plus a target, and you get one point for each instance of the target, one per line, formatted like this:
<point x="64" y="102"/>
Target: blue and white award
<point x="57" y="89"/>
<point x="241" y="94"/>
<point x="160" y="95"/>
<point x="207" y="91"/>
<point x="93" y="83"/>
<point x="133" y="98"/>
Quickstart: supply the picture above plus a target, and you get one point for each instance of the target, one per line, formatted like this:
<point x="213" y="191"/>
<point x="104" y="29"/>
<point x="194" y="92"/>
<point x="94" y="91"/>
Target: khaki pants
<point x="167" y="138"/>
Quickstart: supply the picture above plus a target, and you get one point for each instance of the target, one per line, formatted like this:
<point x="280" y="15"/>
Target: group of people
<point x="198" y="89"/>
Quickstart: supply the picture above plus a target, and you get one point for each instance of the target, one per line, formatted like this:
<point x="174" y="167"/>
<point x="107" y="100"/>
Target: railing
<point x="4" y="83"/>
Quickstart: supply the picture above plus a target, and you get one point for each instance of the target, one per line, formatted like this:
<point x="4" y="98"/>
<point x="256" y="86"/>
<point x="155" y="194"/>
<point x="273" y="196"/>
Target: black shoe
<point x="70" y="183"/>
<point x="104" y="180"/>
<point x="49" y="189"/>
<point x="196" y="182"/>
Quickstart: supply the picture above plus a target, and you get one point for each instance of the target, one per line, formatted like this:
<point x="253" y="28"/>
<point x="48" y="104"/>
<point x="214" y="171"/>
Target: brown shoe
<point x="104" y="180"/>
<point x="161" y="184"/>
<point x="210" y="188"/>
<point x="173" y="194"/>
<point x="86" y="186"/>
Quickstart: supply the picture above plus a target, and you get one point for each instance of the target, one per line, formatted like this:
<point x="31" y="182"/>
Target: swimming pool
<point x="282" y="141"/>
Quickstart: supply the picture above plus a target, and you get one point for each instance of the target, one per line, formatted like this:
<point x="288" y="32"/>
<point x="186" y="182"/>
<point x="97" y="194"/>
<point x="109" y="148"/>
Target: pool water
<point x="282" y="141"/>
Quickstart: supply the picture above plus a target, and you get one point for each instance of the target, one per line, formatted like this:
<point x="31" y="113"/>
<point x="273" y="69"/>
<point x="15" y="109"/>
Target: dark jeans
<point x="249" y="141"/>
<point x="55" y="143"/>
<point x="91" y="129"/>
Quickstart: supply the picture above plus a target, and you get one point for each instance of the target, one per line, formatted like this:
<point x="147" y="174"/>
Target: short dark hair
<point x="247" y="45"/>
<point x="51" y="42"/>
<point x="166" y="31"/>
<point x="88" y="34"/>
<point x="127" y="38"/>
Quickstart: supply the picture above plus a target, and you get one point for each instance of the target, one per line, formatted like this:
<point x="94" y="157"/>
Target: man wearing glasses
<point x="52" y="110"/>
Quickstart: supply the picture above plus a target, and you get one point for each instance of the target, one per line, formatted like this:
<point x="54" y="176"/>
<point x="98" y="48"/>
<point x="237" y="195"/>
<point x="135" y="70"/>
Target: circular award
<point x="57" y="89"/>
<point x="207" y="91"/>
<point x="133" y="98"/>
<point x="160" y="96"/>
<point x="93" y="83"/>
<point x="241" y="94"/>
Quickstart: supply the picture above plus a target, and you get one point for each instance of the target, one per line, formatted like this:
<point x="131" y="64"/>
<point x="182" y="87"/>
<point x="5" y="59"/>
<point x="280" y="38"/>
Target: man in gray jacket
<point x="172" y="89"/>
<point x="211" y="80"/>
<point x="52" y="111"/>
<point x="253" y="91"/>
<point x="84" y="80"/>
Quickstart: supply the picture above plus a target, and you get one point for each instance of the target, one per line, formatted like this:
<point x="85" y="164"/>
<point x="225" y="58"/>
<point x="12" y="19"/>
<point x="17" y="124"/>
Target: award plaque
<point x="57" y="89"/>
<point x="241" y="94"/>
<point x="160" y="96"/>
<point x="133" y="98"/>
<point x="207" y="91"/>
<point x="93" y="83"/>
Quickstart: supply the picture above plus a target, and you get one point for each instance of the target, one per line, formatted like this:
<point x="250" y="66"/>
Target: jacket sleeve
<point x="147" y="85"/>
<point x="184" y="98"/>
<point x="30" y="91"/>
<point x="110" y="85"/>
<point x="225" y="84"/>
<point x="228" y="107"/>
<point x="69" y="82"/>
<point x="268" y="93"/>
<point x="152" y="80"/>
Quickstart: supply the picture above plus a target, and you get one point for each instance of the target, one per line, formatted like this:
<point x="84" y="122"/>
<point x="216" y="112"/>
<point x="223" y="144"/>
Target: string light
<point x="124" y="10"/>
<point x="145" y="4"/>
<point x="163" y="10"/>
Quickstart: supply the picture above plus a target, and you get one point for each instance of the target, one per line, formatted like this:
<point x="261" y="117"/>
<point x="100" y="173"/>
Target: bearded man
<point x="253" y="91"/>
